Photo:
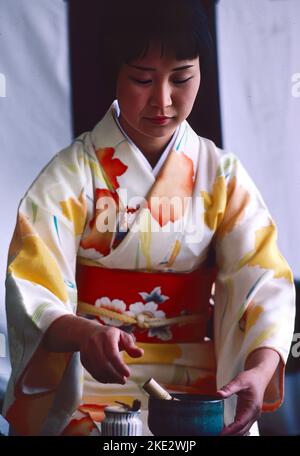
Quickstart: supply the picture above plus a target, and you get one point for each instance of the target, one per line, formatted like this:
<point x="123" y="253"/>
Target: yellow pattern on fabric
<point x="238" y="199"/>
<point x="15" y="244"/>
<point x="96" y="171"/>
<point x="37" y="314"/>
<point x="75" y="211"/>
<point x="253" y="315"/>
<point x="267" y="255"/>
<point x="145" y="237"/>
<point x="71" y="167"/>
<point x="35" y="263"/>
<point x="262" y="337"/>
<point x="228" y="166"/>
<point x="22" y="229"/>
<point x="174" y="254"/>
<point x="89" y="262"/>
<point x="155" y="354"/>
<point x="215" y="203"/>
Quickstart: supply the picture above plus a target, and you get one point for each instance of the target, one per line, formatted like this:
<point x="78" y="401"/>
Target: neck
<point x="152" y="151"/>
<point x="152" y="148"/>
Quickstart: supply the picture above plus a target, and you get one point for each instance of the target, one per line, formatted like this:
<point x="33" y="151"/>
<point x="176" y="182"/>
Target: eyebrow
<point x="138" y="67"/>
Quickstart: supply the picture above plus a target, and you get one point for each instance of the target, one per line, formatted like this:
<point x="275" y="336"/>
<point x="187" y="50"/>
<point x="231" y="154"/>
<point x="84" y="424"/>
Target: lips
<point x="159" y="120"/>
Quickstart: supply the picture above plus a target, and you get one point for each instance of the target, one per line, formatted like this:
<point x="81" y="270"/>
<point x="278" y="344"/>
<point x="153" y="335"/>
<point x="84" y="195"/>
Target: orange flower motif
<point x="95" y="411"/>
<point x="103" y="193"/>
<point x="167" y="200"/>
<point x="44" y="371"/>
<point x="111" y="167"/>
<point x="101" y="240"/>
<point x="81" y="427"/>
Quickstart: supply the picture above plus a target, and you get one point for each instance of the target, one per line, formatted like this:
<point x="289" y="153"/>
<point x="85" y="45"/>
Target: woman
<point x="119" y="241"/>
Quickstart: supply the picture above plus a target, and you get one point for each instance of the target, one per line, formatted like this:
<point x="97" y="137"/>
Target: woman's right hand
<point x="99" y="346"/>
<point x="100" y="352"/>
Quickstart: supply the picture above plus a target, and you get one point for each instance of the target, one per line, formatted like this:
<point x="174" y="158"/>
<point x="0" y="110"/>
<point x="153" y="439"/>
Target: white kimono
<point x="214" y="206"/>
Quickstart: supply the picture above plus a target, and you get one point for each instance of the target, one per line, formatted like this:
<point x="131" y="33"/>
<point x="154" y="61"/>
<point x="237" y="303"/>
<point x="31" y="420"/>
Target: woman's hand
<point x="250" y="391"/>
<point x="250" y="386"/>
<point x="100" y="353"/>
<point x="99" y="346"/>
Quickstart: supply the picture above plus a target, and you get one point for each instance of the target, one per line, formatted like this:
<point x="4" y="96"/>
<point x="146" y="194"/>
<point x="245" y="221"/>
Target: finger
<point x="233" y="428"/>
<point x="107" y="374"/>
<point x="243" y="420"/>
<point x="127" y="343"/>
<point x="112" y="354"/>
<point x="231" y="388"/>
<point x="101" y="369"/>
<point x="237" y="429"/>
<point x="111" y="375"/>
<point x="111" y="371"/>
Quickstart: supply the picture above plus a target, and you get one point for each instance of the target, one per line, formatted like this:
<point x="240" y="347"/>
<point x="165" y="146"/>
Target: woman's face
<point x="156" y="94"/>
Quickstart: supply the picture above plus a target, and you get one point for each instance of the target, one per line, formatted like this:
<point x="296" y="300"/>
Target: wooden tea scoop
<point x="136" y="405"/>
<point x="155" y="390"/>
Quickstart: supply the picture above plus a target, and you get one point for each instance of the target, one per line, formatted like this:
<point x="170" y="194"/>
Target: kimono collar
<point x="109" y="133"/>
<point x="155" y="170"/>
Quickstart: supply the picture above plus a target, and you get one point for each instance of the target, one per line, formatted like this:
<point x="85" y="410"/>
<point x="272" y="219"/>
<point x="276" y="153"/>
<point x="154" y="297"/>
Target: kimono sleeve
<point x="254" y="294"/>
<point x="40" y="285"/>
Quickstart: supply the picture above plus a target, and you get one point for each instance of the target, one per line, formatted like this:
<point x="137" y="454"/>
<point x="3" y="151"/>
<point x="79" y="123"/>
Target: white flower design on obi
<point x="154" y="296"/>
<point x="140" y="316"/>
<point x="149" y="310"/>
<point x="116" y="305"/>
<point x="162" y="333"/>
<point x="140" y="311"/>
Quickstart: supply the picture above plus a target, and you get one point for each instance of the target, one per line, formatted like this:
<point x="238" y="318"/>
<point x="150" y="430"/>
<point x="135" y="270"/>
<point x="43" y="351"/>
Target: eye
<point x="182" y="81"/>
<point x="141" y="81"/>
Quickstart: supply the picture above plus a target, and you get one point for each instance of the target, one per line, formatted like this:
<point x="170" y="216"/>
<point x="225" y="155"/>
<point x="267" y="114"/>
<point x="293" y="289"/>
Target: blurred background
<point x="52" y="89"/>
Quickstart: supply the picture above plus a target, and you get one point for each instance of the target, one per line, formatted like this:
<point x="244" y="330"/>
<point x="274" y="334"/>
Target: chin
<point x="158" y="131"/>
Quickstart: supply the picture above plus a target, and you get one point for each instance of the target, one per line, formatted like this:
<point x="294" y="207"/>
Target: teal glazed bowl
<point x="192" y="415"/>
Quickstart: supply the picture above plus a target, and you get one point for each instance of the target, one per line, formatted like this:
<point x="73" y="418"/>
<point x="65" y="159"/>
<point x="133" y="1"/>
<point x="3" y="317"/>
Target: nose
<point x="161" y="95"/>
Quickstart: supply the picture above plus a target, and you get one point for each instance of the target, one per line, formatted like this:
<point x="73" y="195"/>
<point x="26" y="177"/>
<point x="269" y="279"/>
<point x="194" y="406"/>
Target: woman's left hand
<point x="250" y="389"/>
<point x="250" y="386"/>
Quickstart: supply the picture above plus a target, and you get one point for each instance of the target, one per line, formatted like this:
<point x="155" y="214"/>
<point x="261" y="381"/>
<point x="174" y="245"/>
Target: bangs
<point x="182" y="47"/>
<point x="179" y="27"/>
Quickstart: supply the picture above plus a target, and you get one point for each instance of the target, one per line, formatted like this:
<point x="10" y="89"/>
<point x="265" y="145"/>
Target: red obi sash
<point x="157" y="307"/>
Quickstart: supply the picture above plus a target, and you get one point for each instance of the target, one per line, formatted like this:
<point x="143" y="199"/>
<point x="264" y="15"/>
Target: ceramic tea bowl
<point x="191" y="415"/>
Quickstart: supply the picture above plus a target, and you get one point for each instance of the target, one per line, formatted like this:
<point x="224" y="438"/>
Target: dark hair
<point x="179" y="26"/>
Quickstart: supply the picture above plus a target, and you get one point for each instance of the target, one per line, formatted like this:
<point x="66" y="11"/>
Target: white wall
<point x="259" y="54"/>
<point x="35" y="108"/>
